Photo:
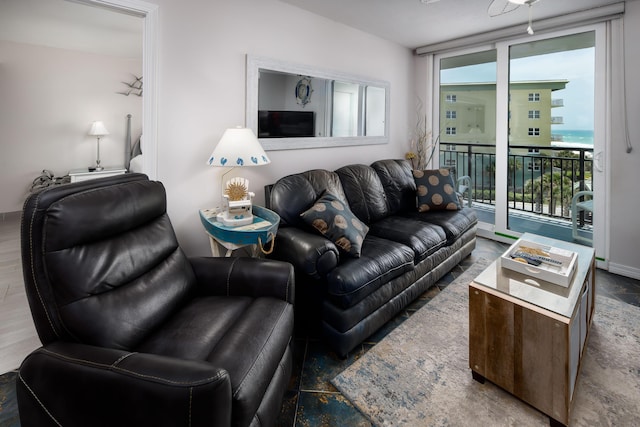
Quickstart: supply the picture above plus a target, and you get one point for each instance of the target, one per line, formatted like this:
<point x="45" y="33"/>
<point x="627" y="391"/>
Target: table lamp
<point x="238" y="147"/>
<point x="98" y="130"/>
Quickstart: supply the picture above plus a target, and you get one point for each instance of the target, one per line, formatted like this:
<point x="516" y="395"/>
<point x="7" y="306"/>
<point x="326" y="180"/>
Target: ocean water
<point x="576" y="136"/>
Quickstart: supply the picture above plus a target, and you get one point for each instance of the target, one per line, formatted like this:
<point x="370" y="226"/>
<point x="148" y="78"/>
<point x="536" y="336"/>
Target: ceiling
<point x="67" y="25"/>
<point x="412" y="23"/>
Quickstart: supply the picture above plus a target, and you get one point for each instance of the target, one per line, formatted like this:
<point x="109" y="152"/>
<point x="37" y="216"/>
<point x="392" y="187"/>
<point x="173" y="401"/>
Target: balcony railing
<point x="542" y="183"/>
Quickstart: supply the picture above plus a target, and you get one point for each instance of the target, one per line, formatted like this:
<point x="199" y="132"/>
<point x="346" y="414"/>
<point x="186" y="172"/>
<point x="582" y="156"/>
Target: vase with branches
<point x="422" y="146"/>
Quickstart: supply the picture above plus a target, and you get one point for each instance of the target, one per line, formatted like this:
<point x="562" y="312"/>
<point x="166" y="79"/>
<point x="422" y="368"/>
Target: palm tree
<point x="551" y="188"/>
<point x="538" y="188"/>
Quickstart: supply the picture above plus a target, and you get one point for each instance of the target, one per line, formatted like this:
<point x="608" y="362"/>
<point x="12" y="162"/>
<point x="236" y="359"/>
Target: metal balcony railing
<point x="542" y="183"/>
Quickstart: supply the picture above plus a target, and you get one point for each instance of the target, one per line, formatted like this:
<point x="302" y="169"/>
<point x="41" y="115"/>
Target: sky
<point x="576" y="66"/>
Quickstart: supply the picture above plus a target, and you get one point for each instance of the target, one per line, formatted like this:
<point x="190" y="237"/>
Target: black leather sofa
<point x="403" y="254"/>
<point x="134" y="333"/>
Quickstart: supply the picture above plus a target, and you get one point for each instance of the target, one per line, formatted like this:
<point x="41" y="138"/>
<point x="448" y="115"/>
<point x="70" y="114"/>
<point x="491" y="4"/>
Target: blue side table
<point x="225" y="239"/>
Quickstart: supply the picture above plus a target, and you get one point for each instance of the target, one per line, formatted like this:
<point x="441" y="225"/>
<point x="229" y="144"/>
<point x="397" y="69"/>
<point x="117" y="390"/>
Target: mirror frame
<point x="257" y="63"/>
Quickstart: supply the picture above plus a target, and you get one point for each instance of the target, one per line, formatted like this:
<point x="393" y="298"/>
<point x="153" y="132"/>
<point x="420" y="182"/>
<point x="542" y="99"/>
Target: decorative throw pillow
<point x="436" y="190"/>
<point x="333" y="219"/>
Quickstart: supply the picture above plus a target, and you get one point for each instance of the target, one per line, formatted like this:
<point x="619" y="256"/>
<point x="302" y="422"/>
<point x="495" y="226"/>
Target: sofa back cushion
<point x="364" y="191"/>
<point x="294" y="194"/>
<point x="399" y="184"/>
<point x="102" y="263"/>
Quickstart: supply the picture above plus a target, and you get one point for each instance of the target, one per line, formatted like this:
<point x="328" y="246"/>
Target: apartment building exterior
<point x="467" y="113"/>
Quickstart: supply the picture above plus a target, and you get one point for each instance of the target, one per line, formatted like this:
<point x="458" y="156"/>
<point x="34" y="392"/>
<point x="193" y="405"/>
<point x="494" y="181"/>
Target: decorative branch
<point x="421" y="144"/>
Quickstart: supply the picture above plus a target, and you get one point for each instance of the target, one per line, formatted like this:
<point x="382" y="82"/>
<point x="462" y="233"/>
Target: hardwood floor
<point x="18" y="335"/>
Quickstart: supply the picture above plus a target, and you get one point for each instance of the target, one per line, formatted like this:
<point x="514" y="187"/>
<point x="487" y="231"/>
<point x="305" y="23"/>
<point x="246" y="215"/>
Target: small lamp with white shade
<point x="238" y="147"/>
<point x="98" y="130"/>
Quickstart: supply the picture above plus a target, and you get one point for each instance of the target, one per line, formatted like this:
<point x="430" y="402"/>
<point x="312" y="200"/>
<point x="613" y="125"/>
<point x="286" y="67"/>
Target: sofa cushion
<point x="294" y="194"/>
<point x="333" y="219"/>
<point x="215" y="329"/>
<point x="423" y="238"/>
<point x="364" y="192"/>
<point x="454" y="223"/>
<point x="436" y="190"/>
<point x="380" y="261"/>
<point x="399" y="184"/>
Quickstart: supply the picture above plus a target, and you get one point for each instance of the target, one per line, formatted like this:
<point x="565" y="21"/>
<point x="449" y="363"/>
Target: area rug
<point x="419" y="374"/>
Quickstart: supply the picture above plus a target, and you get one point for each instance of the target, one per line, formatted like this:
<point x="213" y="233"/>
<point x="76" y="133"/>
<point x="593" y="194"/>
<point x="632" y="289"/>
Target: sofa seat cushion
<point x="380" y="261"/>
<point x="247" y="337"/>
<point x="423" y="238"/>
<point x="454" y="223"/>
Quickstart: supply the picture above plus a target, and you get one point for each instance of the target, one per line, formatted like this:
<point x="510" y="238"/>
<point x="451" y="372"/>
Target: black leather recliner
<point x="134" y="333"/>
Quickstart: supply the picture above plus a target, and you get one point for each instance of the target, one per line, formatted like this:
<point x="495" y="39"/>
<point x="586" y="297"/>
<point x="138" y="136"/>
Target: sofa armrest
<point x="309" y="253"/>
<point x="243" y="276"/>
<point x="76" y="384"/>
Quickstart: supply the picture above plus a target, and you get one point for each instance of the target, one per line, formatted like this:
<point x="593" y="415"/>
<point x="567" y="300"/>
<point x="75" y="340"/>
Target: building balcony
<point x="557" y="120"/>
<point x="557" y="103"/>
<point x="540" y="186"/>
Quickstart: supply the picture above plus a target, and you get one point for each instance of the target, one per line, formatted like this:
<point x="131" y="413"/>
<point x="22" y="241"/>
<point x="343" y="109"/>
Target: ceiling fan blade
<point x="500" y="7"/>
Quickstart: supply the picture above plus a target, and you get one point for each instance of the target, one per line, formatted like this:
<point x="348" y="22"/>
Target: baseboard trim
<point x="624" y="270"/>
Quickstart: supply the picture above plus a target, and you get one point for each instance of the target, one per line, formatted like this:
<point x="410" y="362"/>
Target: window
<point x="534" y="97"/>
<point x="534" y="151"/>
<point x="451" y="131"/>
<point x="450" y="147"/>
<point x="533" y="167"/>
<point x="450" y="114"/>
<point x="534" y="114"/>
<point x="534" y="131"/>
<point x="452" y="98"/>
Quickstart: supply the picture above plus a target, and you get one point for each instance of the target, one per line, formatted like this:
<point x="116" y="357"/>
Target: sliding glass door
<point x="525" y="120"/>
<point x="551" y="136"/>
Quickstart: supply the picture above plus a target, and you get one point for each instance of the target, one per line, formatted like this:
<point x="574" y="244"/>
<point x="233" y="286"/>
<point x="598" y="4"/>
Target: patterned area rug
<point x="419" y="374"/>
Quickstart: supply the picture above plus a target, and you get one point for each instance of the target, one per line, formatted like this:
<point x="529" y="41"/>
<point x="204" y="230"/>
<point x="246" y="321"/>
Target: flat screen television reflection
<point x="286" y="124"/>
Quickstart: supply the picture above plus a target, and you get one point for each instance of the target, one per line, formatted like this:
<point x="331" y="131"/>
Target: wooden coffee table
<point x="529" y="339"/>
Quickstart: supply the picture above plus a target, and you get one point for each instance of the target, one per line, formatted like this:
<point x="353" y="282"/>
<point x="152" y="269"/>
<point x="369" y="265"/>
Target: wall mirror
<point x="292" y="106"/>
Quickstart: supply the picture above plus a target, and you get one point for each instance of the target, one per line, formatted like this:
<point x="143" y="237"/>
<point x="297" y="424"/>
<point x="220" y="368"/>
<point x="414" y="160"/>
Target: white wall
<point x="48" y="99"/>
<point x="202" y="53"/>
<point x="625" y="167"/>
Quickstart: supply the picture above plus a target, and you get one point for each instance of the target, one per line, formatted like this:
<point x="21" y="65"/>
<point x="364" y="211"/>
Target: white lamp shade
<point x="98" y="129"/>
<point x="238" y="147"/>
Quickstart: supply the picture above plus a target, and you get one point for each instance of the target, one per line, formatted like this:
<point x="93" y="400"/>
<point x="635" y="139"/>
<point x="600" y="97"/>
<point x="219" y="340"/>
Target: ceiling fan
<point x="500" y="7"/>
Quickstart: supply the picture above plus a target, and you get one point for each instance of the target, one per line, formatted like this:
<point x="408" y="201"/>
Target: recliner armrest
<point x="311" y="254"/>
<point x="75" y="384"/>
<point x="243" y="276"/>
